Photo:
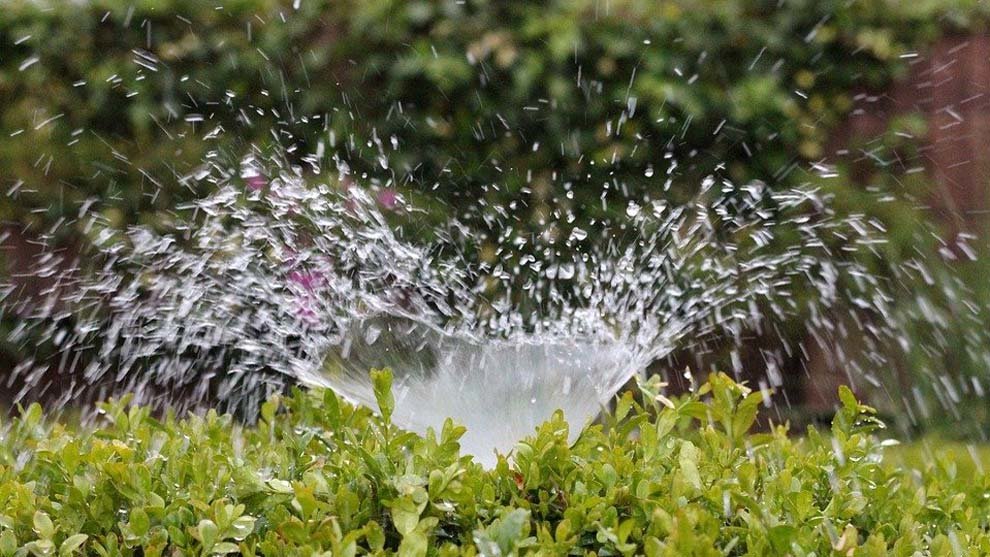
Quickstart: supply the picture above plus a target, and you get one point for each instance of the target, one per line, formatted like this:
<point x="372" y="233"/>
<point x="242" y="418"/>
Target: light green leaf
<point x="43" y="526"/>
<point x="224" y="548"/>
<point x="688" y="460"/>
<point x="139" y="522"/>
<point x="280" y="486"/>
<point x="405" y="514"/>
<point x="207" y="531"/>
<point x="41" y="548"/>
<point x="623" y="406"/>
<point x="375" y="536"/>
<point x="8" y="543"/>
<point x="414" y="544"/>
<point x="242" y="527"/>
<point x="665" y="423"/>
<point x="382" y="381"/>
<point x="72" y="543"/>
<point x="849" y="402"/>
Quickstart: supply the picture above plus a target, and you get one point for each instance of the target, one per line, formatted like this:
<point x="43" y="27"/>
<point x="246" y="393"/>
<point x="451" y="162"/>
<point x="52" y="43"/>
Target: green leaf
<point x="224" y="548"/>
<point x="207" y="532"/>
<point x="8" y="543"/>
<point x="509" y="530"/>
<point x="382" y="381"/>
<point x="665" y="423"/>
<point x="43" y="526"/>
<point x="608" y="475"/>
<point x="32" y="416"/>
<point x="848" y="399"/>
<point x="623" y="406"/>
<point x="72" y="543"/>
<point x="139" y="522"/>
<point x="269" y="408"/>
<point x="331" y="408"/>
<point x="405" y="514"/>
<point x="746" y="413"/>
<point x="688" y="461"/>
<point x="242" y="527"/>
<point x="280" y="486"/>
<point x="375" y="536"/>
<point x="41" y="548"/>
<point x="781" y="537"/>
<point x="414" y="544"/>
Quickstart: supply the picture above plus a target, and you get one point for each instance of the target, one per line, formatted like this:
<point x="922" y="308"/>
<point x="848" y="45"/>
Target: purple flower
<point x="306" y="314"/>
<point x="306" y="283"/>
<point x="256" y="182"/>
<point x="388" y="198"/>
<point x="309" y="280"/>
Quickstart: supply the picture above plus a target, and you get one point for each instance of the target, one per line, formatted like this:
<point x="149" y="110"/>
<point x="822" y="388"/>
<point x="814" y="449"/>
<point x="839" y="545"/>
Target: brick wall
<point x="950" y="87"/>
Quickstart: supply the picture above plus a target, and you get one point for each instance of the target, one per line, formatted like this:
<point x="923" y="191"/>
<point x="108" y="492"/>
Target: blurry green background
<point x="115" y="100"/>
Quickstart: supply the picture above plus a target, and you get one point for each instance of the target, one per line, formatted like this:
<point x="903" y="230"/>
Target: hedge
<point x="118" y="98"/>
<point x="316" y="476"/>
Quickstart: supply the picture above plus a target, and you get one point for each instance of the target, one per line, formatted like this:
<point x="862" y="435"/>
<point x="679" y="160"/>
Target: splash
<point x="284" y="277"/>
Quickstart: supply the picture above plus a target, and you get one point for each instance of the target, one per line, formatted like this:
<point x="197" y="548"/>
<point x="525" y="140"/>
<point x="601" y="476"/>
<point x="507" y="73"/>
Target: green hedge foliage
<point x="317" y="476"/>
<point x="118" y="98"/>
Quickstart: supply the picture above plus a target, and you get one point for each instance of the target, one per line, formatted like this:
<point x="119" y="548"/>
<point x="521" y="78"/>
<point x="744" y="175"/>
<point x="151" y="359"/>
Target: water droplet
<point x="371" y="334"/>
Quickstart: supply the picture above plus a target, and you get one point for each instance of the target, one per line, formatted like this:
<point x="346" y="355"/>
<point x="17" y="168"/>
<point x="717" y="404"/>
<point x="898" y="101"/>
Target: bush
<point x="673" y="477"/>
<point x="116" y="98"/>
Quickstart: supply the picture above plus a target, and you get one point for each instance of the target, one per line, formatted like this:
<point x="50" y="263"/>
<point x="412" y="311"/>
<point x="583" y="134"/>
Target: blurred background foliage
<point x="113" y="98"/>
<point x="533" y="106"/>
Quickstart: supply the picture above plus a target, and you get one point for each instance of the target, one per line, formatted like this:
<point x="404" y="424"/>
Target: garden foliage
<point x="118" y="98"/>
<point x="681" y="476"/>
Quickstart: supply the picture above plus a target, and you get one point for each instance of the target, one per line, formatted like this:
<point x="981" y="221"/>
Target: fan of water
<point x="284" y="277"/>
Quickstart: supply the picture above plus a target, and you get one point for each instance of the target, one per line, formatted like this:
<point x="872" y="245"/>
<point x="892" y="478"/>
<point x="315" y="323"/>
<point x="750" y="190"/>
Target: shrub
<point x="116" y="98"/>
<point x="316" y="475"/>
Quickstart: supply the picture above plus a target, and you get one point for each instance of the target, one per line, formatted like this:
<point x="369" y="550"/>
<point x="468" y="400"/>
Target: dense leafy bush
<point x="115" y="98"/>
<point x="676" y="477"/>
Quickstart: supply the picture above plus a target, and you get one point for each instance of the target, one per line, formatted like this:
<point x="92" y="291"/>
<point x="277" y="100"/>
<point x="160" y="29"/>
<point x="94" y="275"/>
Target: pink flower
<point x="309" y="280"/>
<point x="306" y="314"/>
<point x="388" y="198"/>
<point x="256" y="182"/>
<point x="306" y="300"/>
